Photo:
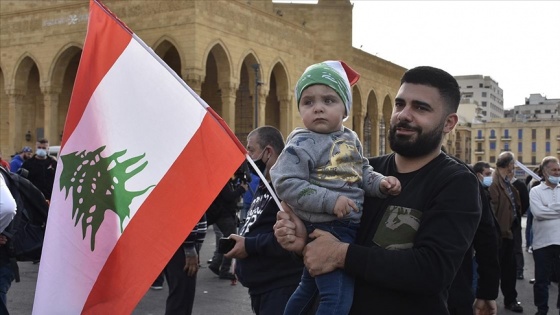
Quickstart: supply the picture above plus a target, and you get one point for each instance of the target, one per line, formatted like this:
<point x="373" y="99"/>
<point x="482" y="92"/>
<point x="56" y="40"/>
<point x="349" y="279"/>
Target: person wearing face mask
<point x="545" y="206"/>
<point x="270" y="272"/>
<point x="41" y="168"/>
<point x="507" y="208"/>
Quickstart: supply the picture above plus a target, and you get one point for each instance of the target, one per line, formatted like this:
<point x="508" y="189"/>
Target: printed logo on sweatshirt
<point x="397" y="228"/>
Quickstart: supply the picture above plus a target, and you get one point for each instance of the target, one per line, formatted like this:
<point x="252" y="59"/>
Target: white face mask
<point x="554" y="180"/>
<point x="487" y="181"/>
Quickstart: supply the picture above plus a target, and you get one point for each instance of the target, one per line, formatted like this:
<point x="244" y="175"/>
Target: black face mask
<point x="261" y="165"/>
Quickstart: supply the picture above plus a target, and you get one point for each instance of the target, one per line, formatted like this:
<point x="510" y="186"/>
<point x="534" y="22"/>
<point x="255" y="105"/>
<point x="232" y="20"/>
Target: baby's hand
<point x="343" y="206"/>
<point x="390" y="185"/>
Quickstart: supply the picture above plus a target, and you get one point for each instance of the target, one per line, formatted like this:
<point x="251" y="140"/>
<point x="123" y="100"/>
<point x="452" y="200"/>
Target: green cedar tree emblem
<point x="98" y="185"/>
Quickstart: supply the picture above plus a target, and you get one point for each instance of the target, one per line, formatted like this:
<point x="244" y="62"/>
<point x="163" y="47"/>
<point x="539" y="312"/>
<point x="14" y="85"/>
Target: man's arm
<point x="485" y="243"/>
<point x="540" y="208"/>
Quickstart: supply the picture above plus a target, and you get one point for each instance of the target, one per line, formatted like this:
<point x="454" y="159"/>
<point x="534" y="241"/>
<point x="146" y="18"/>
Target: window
<point x="520" y="147"/>
<point x="537" y="111"/>
<point x="534" y="160"/>
<point x="547" y="134"/>
<point x="492" y="159"/>
<point x="547" y="147"/>
<point x="480" y="85"/>
<point x="492" y="145"/>
<point x="506" y="146"/>
<point x="533" y="147"/>
<point x="479" y="158"/>
<point x="533" y="134"/>
<point x="484" y="94"/>
<point x="547" y="111"/>
<point x="520" y="134"/>
<point x="506" y="133"/>
<point x="492" y="134"/>
<point x="520" y="159"/>
<point x="484" y="104"/>
<point x="479" y="134"/>
<point x="469" y="86"/>
<point x="479" y="147"/>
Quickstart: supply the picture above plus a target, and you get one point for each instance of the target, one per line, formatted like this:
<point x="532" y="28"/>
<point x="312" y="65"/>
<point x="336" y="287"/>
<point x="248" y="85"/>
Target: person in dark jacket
<point x="225" y="205"/>
<point x="517" y="237"/>
<point x="269" y="272"/>
<point x="41" y="168"/>
<point x="409" y="247"/>
<point x="462" y="298"/>
<point x="181" y="272"/>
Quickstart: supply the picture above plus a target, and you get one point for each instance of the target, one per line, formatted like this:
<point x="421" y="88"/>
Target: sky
<point x="516" y="43"/>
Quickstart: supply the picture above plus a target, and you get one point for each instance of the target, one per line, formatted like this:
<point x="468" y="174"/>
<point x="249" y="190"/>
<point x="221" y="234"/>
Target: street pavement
<point x="215" y="296"/>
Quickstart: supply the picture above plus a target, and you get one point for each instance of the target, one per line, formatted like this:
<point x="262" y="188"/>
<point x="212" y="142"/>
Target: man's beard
<point x="424" y="143"/>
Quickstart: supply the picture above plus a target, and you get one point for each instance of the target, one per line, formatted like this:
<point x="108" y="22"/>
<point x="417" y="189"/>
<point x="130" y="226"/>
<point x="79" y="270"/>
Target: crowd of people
<point x="415" y="231"/>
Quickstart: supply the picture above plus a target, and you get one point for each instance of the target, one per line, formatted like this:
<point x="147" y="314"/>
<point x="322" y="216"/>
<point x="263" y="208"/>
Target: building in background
<point x="530" y="141"/>
<point x="242" y="57"/>
<point x="486" y="92"/>
<point x="536" y="107"/>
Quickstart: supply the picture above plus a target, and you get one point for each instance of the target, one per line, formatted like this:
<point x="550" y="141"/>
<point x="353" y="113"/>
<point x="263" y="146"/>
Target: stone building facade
<point x="242" y="57"/>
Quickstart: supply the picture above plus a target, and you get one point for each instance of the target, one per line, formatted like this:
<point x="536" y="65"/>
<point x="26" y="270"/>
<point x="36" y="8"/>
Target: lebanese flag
<point x="142" y="158"/>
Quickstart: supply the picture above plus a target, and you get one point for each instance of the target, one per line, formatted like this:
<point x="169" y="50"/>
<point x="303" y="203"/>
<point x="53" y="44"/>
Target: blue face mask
<point x="487" y="181"/>
<point x="41" y="152"/>
<point x="554" y="180"/>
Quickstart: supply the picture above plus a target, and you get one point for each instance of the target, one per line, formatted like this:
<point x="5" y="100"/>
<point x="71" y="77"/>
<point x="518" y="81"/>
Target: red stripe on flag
<point x="177" y="203"/>
<point x="99" y="54"/>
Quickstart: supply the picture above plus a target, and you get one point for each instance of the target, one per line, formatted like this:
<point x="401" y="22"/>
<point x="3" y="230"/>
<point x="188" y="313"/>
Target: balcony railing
<point x="504" y="138"/>
<point x="477" y="152"/>
<point x="479" y="139"/>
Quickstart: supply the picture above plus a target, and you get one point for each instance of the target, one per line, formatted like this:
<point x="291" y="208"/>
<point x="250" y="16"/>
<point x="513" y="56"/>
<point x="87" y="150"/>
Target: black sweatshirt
<point x="410" y="246"/>
<point x="268" y="265"/>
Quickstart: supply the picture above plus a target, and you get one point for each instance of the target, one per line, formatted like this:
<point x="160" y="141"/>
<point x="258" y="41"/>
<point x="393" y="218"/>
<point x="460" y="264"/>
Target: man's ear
<point x="450" y="122"/>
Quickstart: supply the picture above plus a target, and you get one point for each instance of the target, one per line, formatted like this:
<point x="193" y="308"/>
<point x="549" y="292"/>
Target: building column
<point x="194" y="80"/>
<point x="358" y="122"/>
<point x="285" y="114"/>
<point x="263" y="93"/>
<point x="16" y="133"/>
<point x="229" y="91"/>
<point x="50" y="100"/>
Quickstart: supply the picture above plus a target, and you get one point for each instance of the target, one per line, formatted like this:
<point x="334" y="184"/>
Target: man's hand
<point x="238" y="250"/>
<point x="289" y="230"/>
<point x="485" y="307"/>
<point x="3" y="239"/>
<point x="390" y="185"/>
<point x="191" y="262"/>
<point x="324" y="254"/>
<point x="343" y="206"/>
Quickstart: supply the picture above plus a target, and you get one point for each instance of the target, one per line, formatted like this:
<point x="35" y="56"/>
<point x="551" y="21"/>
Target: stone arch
<point x="357" y="112"/>
<point x="28" y="110"/>
<point x="167" y="50"/>
<point x="59" y="90"/>
<point x="278" y="100"/>
<point x="21" y="73"/>
<point x="217" y="89"/>
<point x="371" y="122"/>
<point x="248" y="104"/>
<point x="385" y="124"/>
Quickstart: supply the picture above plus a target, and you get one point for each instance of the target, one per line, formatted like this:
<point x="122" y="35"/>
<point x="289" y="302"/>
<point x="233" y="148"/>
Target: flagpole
<point x="263" y="179"/>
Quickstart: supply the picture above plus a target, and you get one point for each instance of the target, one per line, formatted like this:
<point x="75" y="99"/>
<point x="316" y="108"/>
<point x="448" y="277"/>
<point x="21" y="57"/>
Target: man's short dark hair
<point x="268" y="135"/>
<point x="43" y="141"/>
<point x="479" y="167"/>
<point x="439" y="79"/>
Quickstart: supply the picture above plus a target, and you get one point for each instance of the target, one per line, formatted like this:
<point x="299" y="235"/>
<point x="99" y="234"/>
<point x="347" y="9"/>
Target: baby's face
<point x="321" y="109"/>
